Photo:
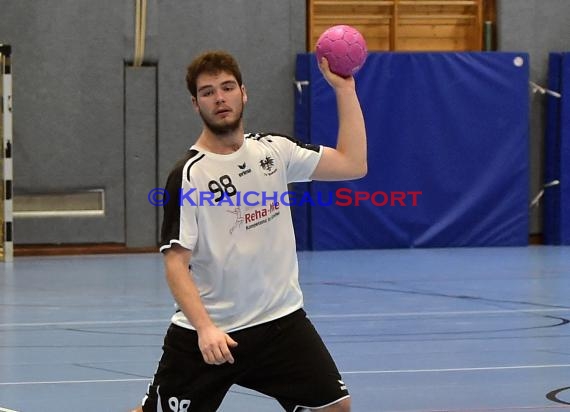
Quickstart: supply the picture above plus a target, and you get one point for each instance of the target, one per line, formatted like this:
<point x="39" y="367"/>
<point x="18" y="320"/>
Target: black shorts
<point x="284" y="359"/>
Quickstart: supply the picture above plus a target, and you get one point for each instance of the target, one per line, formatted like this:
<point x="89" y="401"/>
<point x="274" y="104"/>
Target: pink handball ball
<point x="345" y="49"/>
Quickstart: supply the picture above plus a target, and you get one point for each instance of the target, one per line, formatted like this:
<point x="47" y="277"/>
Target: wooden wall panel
<point x="373" y="18"/>
<point x="422" y="25"/>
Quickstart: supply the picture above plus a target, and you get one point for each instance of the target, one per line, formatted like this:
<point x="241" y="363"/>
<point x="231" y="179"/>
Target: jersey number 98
<point x="221" y="188"/>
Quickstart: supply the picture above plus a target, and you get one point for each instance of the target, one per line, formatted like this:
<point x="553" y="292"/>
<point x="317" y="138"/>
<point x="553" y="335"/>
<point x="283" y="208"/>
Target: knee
<point x="344" y="405"/>
<point x="341" y="406"/>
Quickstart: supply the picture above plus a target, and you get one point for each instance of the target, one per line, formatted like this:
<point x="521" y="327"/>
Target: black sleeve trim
<point x="192" y="163"/>
<point x="267" y="136"/>
<point x="170" y="229"/>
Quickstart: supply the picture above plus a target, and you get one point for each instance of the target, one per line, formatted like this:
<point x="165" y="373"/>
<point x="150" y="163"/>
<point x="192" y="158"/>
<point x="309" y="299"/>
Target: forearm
<point x="352" y="132"/>
<point x="213" y="342"/>
<point x="348" y="159"/>
<point x="186" y="294"/>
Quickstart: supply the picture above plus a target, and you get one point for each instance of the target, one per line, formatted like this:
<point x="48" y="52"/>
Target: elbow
<point x="356" y="173"/>
<point x="361" y="171"/>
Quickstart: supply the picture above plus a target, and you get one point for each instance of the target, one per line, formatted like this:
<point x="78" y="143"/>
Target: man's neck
<point x="221" y="144"/>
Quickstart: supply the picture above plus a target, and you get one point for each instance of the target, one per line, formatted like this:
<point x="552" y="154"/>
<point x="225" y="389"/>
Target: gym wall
<point x="77" y="125"/>
<point x="81" y="114"/>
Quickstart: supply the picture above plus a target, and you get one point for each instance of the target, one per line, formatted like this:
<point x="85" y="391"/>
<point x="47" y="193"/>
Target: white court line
<point x="377" y="372"/>
<point x="338" y="316"/>
<point x="442" y="313"/>
<point x="489" y="368"/>
<point x="74" y="382"/>
<point x="6" y="410"/>
<point x="85" y="323"/>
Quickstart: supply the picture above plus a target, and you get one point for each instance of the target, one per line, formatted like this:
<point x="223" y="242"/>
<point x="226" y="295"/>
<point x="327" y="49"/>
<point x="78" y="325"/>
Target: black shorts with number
<point x="285" y="359"/>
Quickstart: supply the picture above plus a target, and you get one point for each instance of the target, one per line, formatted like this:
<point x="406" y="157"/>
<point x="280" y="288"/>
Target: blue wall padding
<point x="557" y="153"/>
<point x="453" y="126"/>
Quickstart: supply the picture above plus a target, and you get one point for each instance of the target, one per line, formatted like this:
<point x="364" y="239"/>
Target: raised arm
<point x="213" y="342"/>
<point x="348" y="160"/>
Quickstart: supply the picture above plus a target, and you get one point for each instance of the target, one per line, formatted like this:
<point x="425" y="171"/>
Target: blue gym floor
<point x="483" y="329"/>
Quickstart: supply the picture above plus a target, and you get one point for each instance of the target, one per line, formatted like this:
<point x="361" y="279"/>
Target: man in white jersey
<point x="230" y="259"/>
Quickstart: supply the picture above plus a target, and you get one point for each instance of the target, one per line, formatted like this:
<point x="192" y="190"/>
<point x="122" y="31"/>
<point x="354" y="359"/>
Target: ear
<point x="195" y="104"/>
<point x="243" y="94"/>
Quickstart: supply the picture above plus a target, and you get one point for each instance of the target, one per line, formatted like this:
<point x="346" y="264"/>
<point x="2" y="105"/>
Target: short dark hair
<point x="211" y="62"/>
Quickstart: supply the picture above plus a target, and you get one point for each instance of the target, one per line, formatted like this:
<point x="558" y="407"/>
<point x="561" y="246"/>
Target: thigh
<point x="183" y="382"/>
<point x="295" y="367"/>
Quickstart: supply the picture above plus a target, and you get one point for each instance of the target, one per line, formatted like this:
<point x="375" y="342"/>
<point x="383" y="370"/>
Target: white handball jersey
<point x="232" y="212"/>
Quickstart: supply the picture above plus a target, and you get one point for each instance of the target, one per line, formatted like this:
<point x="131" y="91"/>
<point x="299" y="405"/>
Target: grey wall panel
<point x="68" y="98"/>
<point x="538" y="27"/>
<point x="140" y="160"/>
